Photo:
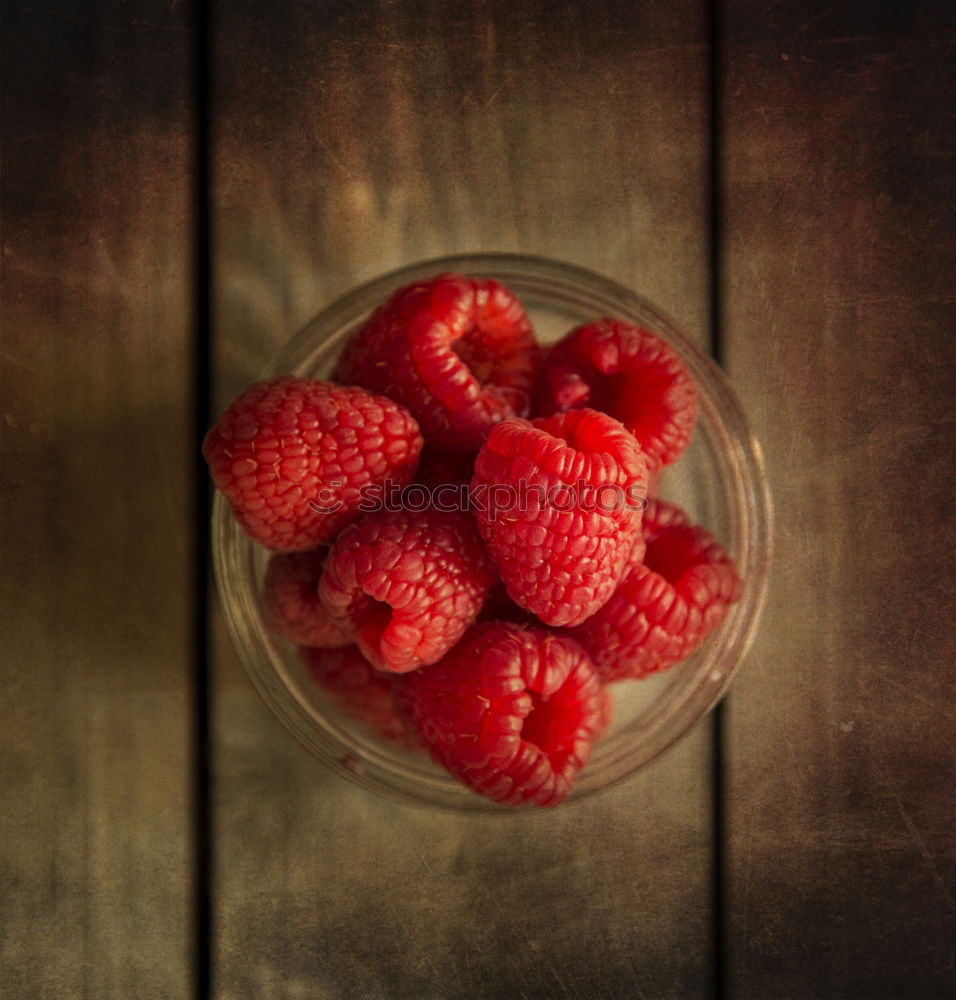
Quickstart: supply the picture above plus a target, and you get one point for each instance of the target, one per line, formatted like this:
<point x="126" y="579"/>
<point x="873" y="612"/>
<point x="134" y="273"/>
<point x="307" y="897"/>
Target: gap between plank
<point x="202" y="369"/>
<point x="718" y="718"/>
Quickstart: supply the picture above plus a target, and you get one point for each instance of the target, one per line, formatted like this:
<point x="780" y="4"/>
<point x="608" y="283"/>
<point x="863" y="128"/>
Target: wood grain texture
<point x="96" y="581"/>
<point x="839" y="262"/>
<point x="350" y="140"/>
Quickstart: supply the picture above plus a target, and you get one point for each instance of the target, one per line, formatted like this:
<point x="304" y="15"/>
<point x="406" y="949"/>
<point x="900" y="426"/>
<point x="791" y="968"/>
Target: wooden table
<point x="778" y="176"/>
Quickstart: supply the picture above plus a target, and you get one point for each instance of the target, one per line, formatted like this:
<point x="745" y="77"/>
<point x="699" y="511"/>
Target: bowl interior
<point x="719" y="481"/>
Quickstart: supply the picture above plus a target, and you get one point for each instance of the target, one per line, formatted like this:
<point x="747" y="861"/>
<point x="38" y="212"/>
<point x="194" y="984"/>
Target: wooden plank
<point x="350" y="141"/>
<point x="840" y="239"/>
<point x="96" y="583"/>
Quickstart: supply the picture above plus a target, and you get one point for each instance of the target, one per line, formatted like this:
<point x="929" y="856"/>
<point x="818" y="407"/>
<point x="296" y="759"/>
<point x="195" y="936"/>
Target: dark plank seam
<point x="202" y="368"/>
<point x="717" y="724"/>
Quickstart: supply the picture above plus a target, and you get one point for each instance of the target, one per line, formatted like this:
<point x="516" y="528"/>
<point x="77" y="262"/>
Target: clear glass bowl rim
<point x="738" y="454"/>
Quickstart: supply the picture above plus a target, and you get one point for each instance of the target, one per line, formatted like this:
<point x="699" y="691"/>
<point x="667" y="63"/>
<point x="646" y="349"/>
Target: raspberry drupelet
<point x="358" y="690"/>
<point x="631" y="374"/>
<point x="512" y="712"/>
<point x="292" y="456"/>
<point x="666" y="606"/>
<point x="291" y="600"/>
<point x="406" y="584"/>
<point x="458" y="352"/>
<point x="559" y="502"/>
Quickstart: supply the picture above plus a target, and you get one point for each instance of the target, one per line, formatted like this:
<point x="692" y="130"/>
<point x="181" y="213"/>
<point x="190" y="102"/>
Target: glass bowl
<point x="719" y="481"/>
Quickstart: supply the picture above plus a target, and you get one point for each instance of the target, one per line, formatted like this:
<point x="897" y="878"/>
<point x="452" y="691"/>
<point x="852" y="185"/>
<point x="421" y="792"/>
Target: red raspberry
<point x="636" y="555"/>
<point x="666" y="607"/>
<point x="629" y="373"/>
<point x="292" y="456"/>
<point x="458" y="352"/>
<point x="511" y="712"/>
<point x="559" y="503"/>
<point x="291" y="600"/>
<point x="407" y="584"/>
<point x="354" y="686"/>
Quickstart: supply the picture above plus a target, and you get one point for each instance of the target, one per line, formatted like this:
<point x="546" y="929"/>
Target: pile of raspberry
<point x="467" y="551"/>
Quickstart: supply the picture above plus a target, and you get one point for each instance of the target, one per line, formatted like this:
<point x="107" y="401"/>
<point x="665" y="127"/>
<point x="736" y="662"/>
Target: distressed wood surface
<point x="839" y="262"/>
<point x="349" y="141"/>
<point x="96" y="581"/>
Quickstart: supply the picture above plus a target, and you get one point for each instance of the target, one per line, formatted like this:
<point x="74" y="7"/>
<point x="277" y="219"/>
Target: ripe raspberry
<point x="629" y="373"/>
<point x="353" y="685"/>
<point x="665" y="608"/>
<point x="458" y="352"/>
<point x="407" y="584"/>
<point x="291" y="600"/>
<point x="635" y="556"/>
<point x="292" y="456"/>
<point x="559" y="502"/>
<point x="511" y="712"/>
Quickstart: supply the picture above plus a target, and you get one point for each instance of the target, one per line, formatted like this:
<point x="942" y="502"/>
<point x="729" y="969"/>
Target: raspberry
<point x="635" y="556"/>
<point x="629" y="373"/>
<point x="458" y="352"/>
<point x="292" y="456"/>
<point x="353" y="685"/>
<point x="559" y="501"/>
<point x="291" y="600"/>
<point x="664" y="608"/>
<point x="511" y="712"/>
<point x="407" y="584"/>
